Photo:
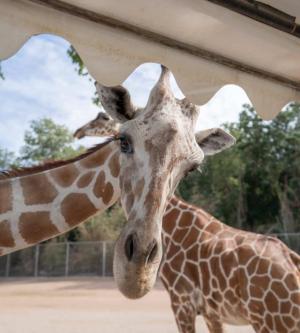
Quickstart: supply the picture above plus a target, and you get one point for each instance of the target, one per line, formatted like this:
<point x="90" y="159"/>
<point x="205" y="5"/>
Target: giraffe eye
<point x="125" y="144"/>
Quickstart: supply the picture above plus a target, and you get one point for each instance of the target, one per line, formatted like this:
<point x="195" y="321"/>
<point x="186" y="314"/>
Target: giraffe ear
<point x="214" y="140"/>
<point x="116" y="102"/>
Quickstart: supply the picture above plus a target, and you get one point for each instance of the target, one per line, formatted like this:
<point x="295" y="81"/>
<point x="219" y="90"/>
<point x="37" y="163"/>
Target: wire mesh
<point x="52" y="259"/>
<point x="3" y="265"/>
<point x="85" y="259"/>
<point x="21" y="263"/>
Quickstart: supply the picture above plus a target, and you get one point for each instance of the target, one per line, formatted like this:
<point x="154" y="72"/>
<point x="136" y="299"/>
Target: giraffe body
<point x="227" y="275"/>
<point x="222" y="273"/>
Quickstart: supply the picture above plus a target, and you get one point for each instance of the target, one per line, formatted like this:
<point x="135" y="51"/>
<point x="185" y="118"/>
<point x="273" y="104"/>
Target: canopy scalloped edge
<point x="111" y="55"/>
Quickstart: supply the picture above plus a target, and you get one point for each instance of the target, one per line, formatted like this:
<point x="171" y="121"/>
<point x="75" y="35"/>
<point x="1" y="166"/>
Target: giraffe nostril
<point x="152" y="252"/>
<point x="130" y="247"/>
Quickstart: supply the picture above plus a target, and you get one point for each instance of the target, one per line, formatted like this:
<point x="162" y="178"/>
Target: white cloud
<point x="41" y="82"/>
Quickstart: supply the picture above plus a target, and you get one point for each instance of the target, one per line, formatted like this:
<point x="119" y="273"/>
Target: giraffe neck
<point x="180" y="211"/>
<point x="42" y="205"/>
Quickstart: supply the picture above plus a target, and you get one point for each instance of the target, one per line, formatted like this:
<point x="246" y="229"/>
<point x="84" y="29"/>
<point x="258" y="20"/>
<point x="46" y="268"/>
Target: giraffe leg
<point x="214" y="325"/>
<point x="185" y="316"/>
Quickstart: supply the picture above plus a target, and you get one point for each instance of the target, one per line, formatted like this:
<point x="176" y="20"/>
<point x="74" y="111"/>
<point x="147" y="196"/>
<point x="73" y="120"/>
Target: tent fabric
<point x="205" y="45"/>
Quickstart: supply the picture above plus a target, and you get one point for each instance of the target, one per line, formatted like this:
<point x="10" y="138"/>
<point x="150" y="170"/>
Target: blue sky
<point x="41" y="81"/>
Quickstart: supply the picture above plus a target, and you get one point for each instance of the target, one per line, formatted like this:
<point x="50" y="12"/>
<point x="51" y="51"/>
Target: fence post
<point x="36" y="260"/>
<point x="67" y="259"/>
<point x="7" y="266"/>
<point x="103" y="258"/>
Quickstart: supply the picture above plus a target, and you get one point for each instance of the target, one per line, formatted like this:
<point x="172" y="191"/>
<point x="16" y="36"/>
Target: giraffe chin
<point x="135" y="282"/>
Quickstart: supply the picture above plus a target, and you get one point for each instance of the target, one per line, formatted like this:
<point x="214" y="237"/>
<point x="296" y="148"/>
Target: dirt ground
<point x="84" y="305"/>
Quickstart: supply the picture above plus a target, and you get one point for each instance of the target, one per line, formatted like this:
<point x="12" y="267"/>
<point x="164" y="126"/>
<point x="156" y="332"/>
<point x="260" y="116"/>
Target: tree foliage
<point x="46" y="141"/>
<point x="81" y="69"/>
<point x="77" y="61"/>
<point x="254" y="185"/>
<point x="7" y="159"/>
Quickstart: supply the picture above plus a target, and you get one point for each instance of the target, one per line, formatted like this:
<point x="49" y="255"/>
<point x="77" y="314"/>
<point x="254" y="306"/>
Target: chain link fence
<point x="77" y="258"/>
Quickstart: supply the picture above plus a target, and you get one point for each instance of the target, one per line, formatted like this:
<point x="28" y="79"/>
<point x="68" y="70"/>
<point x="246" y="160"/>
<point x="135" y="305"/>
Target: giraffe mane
<point x="26" y="171"/>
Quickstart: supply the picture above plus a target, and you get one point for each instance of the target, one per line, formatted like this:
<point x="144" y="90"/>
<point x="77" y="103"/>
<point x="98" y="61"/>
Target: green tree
<point x="46" y="141"/>
<point x="218" y="188"/>
<point x="7" y="159"/>
<point x="81" y="69"/>
<point x="254" y="185"/>
<point x="271" y="150"/>
<point x="77" y="61"/>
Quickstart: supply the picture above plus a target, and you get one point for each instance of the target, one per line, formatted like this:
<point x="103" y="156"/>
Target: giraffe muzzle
<point x="79" y="134"/>
<point x="132" y="250"/>
<point x="152" y="252"/>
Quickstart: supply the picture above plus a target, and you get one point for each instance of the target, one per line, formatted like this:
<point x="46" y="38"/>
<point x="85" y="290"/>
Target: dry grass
<point x="84" y="305"/>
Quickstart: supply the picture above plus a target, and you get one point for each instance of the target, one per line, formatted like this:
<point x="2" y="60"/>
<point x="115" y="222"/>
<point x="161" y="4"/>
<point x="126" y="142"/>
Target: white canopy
<point x="204" y="44"/>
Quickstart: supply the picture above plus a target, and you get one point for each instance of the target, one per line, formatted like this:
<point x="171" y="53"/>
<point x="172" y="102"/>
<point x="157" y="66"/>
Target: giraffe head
<point x="102" y="125"/>
<point x="158" y="148"/>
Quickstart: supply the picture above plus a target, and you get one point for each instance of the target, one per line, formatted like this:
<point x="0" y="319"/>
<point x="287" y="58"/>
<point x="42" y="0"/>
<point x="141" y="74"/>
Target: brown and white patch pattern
<point x="46" y="203"/>
<point x="227" y="275"/>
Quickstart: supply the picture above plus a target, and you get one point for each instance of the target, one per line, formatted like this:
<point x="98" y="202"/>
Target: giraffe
<point x="225" y="274"/>
<point x="102" y="125"/>
<point x="151" y="171"/>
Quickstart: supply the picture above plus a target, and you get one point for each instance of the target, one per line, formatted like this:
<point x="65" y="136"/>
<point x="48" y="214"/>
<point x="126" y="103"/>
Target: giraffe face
<point x="158" y="147"/>
<point x="102" y="125"/>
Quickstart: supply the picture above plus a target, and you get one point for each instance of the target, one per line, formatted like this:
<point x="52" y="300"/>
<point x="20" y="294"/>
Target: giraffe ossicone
<point x="225" y="274"/>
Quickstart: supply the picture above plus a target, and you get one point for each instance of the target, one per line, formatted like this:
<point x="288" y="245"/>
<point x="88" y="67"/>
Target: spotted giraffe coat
<point x="227" y="275"/>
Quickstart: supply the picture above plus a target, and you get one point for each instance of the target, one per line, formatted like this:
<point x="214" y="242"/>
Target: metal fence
<point x="77" y="258"/>
<point x="60" y="259"/>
